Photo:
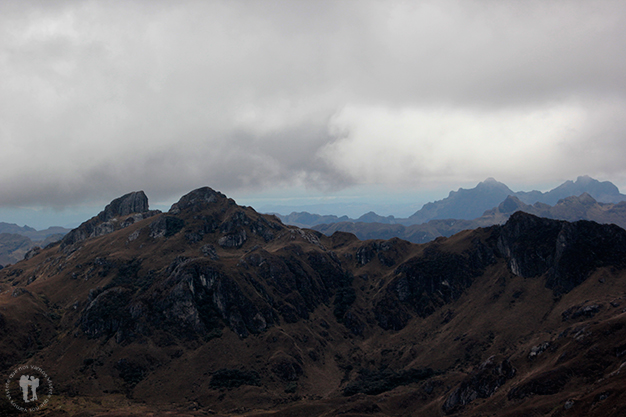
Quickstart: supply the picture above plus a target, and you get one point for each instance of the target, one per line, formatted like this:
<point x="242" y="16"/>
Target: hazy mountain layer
<point x="469" y="204"/>
<point x="583" y="207"/>
<point x="212" y="308"/>
<point x="32" y="234"/>
<point x="16" y="241"/>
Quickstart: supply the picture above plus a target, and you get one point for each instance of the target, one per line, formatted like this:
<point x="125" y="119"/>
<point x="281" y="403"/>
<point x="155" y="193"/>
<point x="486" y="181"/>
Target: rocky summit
<point x="214" y="309"/>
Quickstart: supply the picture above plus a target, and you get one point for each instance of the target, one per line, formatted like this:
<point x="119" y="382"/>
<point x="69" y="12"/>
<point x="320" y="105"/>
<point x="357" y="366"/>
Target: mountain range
<point x="469" y="204"/>
<point x="440" y="218"/>
<point x="16" y="241"/>
<point x="583" y="207"/>
<point x="214" y="309"/>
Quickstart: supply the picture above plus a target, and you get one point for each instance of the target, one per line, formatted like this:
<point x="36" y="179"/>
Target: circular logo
<point x="28" y="388"/>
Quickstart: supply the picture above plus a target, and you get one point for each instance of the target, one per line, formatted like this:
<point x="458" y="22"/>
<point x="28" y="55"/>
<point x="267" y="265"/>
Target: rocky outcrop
<point x="545" y="383"/>
<point x="285" y="366"/>
<point x="482" y="383"/>
<point x="388" y="252"/>
<point x="135" y="202"/>
<point x="166" y="226"/>
<point x="197" y="200"/>
<point x="233" y="240"/>
<point x="566" y="252"/>
<point x="581" y="247"/>
<point x="197" y="297"/>
<point x="107" y="313"/>
<point x="528" y="244"/>
<point x="120" y="213"/>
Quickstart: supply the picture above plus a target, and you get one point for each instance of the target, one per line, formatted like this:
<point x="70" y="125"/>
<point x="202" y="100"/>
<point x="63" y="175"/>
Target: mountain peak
<point x="511" y="204"/>
<point x="134" y="202"/>
<point x="493" y="184"/>
<point x="109" y="219"/>
<point x="465" y="204"/>
<point x="197" y="198"/>
<point x="585" y="179"/>
<point x="602" y="191"/>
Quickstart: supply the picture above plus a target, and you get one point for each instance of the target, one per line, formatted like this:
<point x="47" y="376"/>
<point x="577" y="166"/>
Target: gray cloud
<point x="99" y="98"/>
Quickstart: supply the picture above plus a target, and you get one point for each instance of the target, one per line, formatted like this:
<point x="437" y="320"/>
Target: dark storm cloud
<point x="104" y="97"/>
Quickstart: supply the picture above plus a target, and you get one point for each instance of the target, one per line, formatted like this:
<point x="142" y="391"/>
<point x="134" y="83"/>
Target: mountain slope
<point x="213" y="306"/>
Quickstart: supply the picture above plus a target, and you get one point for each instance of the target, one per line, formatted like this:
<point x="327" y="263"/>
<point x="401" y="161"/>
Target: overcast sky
<point x="269" y="100"/>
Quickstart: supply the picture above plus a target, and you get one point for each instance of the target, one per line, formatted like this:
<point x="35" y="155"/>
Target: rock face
<point x="197" y="297"/>
<point x="115" y="215"/>
<point x="135" y="202"/>
<point x="482" y="383"/>
<point x="567" y="252"/>
<point x="529" y="244"/>
<point x="423" y="284"/>
<point x="197" y="200"/>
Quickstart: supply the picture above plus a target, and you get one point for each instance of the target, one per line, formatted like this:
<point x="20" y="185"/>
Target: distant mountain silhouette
<point x="583" y="207"/>
<point x="16" y="241"/>
<point x="305" y="219"/>
<point x="15" y="229"/>
<point x="472" y="203"/>
<point x="464" y="204"/>
<point x="603" y="192"/>
<point x="469" y="204"/>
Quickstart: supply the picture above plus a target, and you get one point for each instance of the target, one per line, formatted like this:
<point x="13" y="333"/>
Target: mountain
<point x="306" y="219"/>
<point x="32" y="234"/>
<point x="13" y="228"/>
<point x="464" y="204"/>
<point x="371" y="217"/>
<point x="120" y="213"/>
<point x="16" y="241"/>
<point x="470" y="204"/>
<point x="213" y="308"/>
<point x="467" y="204"/>
<point x="13" y="247"/>
<point x="583" y="207"/>
<point x="605" y="192"/>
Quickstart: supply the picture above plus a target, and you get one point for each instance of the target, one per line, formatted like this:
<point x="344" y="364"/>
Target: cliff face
<point x="566" y="252"/>
<point x="228" y="308"/>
